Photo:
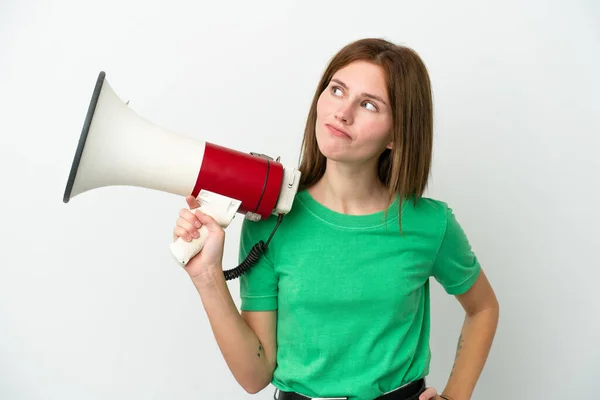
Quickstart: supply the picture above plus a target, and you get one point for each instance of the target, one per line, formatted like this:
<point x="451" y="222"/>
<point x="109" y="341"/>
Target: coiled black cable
<point x="253" y="256"/>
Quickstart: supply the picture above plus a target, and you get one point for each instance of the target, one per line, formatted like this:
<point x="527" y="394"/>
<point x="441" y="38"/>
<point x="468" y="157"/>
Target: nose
<point x="344" y="114"/>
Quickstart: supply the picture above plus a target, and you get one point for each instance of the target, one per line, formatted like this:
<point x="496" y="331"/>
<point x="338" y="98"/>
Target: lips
<point x="337" y="131"/>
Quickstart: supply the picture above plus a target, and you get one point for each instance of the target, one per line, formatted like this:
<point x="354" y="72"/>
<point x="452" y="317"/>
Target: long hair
<point x="405" y="168"/>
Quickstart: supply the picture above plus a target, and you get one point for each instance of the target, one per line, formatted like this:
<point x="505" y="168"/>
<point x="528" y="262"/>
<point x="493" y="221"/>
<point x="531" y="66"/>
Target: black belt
<point x="407" y="392"/>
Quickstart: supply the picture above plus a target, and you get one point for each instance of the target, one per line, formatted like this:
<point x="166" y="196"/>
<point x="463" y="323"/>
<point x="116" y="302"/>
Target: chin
<point x="332" y="150"/>
<point x="338" y="157"/>
<point x="340" y="152"/>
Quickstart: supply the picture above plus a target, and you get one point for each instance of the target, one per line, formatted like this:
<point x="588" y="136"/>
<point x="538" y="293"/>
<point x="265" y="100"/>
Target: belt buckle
<point x="329" y="398"/>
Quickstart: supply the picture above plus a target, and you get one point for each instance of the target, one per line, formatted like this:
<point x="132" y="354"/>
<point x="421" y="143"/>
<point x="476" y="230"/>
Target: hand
<point x="430" y="394"/>
<point x="188" y="225"/>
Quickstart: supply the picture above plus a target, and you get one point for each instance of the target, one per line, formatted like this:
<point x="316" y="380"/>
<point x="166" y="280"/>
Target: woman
<point x="338" y="306"/>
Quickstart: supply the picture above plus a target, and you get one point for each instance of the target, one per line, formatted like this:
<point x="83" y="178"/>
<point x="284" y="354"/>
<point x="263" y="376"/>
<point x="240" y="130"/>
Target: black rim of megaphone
<point x="83" y="137"/>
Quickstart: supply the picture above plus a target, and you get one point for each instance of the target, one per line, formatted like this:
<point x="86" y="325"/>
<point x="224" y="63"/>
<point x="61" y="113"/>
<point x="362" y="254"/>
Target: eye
<point x="370" y="106"/>
<point x="336" y="91"/>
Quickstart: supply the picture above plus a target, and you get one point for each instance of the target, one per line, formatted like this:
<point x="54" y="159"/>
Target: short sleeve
<point x="258" y="286"/>
<point x="456" y="267"/>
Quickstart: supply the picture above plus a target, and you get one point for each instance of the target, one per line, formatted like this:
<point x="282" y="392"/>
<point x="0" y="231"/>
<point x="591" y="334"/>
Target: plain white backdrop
<point x="92" y="305"/>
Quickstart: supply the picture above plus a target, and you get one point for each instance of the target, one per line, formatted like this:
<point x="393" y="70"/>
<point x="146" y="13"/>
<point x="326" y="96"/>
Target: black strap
<point x="407" y="392"/>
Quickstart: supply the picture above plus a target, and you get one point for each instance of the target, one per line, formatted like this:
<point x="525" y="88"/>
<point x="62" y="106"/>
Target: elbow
<point x="255" y="388"/>
<point x="495" y="308"/>
<point x="252" y="390"/>
<point x="256" y="380"/>
<point x="490" y="314"/>
<point x="491" y="310"/>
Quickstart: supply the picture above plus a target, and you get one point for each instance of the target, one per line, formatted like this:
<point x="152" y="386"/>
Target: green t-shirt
<point x="352" y="293"/>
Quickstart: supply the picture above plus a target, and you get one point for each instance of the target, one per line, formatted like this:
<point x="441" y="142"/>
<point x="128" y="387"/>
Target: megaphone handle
<point x="184" y="251"/>
<point x="221" y="208"/>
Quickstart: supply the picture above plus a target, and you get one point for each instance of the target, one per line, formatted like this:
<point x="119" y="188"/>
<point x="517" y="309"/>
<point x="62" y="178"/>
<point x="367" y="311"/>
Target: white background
<point x="93" y="307"/>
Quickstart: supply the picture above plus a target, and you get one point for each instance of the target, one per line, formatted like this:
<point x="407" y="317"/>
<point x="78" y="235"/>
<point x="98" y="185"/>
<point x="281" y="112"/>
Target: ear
<point x="390" y="145"/>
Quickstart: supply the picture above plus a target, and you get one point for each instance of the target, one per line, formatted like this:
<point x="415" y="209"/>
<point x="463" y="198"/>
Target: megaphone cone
<point x="118" y="147"/>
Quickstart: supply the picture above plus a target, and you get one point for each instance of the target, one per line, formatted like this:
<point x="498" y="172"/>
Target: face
<point x="354" y="118"/>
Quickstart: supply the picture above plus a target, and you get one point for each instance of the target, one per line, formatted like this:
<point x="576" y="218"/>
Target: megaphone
<point x="117" y="147"/>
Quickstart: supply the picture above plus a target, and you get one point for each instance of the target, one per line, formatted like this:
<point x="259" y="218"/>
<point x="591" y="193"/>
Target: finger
<point x="211" y="224"/>
<point x="430" y="393"/>
<point x="188" y="227"/>
<point x="179" y="232"/>
<point x="190" y="217"/>
<point x="192" y="202"/>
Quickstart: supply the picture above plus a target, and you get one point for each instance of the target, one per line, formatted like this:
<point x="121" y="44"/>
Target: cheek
<point x="377" y="131"/>
<point x="320" y="108"/>
<point x="324" y="106"/>
<point x="323" y="111"/>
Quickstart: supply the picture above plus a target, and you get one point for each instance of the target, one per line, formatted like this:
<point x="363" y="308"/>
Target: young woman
<point x="338" y="305"/>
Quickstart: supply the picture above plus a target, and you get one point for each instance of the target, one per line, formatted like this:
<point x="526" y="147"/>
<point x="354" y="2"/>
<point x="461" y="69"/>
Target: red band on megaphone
<point x="254" y="180"/>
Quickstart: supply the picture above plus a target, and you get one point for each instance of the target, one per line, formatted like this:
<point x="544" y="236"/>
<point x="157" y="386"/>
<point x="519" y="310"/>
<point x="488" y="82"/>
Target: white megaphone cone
<point x="117" y="147"/>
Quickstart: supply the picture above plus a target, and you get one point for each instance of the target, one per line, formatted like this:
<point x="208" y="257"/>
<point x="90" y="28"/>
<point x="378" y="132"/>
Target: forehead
<point x="363" y="76"/>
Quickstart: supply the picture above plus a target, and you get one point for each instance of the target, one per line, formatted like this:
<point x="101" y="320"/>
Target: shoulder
<point x="426" y="210"/>
<point x="428" y="205"/>
<point x="441" y="219"/>
<point x="432" y="217"/>
<point x="259" y="228"/>
<point x="264" y="226"/>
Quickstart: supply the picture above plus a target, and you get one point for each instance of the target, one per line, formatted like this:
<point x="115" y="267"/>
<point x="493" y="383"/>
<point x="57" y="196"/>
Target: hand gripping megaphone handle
<point x="184" y="251"/>
<point x="219" y="207"/>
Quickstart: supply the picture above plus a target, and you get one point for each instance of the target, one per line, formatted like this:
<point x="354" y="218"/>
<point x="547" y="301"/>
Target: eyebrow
<point x="372" y="96"/>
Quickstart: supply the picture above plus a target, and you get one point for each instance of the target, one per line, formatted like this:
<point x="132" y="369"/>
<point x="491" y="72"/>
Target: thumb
<point x="192" y="202"/>
<point x="430" y="393"/>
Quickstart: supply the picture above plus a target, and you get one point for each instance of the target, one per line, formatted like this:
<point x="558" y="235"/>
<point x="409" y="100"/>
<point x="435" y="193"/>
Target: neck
<point x="349" y="189"/>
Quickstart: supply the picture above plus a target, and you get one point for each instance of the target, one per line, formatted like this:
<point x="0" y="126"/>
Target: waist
<point x="410" y="391"/>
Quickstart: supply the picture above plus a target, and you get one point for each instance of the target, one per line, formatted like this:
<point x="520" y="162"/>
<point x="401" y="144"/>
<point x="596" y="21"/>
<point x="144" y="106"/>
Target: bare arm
<point x="475" y="341"/>
<point x="247" y="341"/>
